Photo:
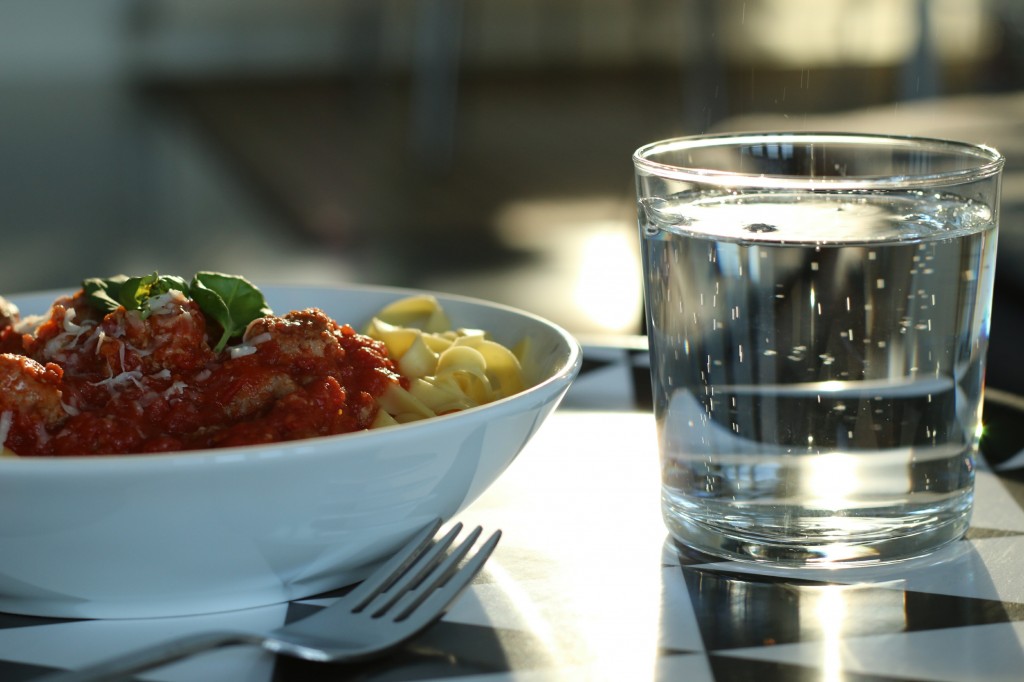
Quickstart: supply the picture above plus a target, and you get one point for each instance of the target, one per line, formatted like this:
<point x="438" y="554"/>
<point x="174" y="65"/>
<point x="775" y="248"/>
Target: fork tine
<point x="431" y="600"/>
<point x="425" y="563"/>
<point x="434" y="568"/>
<point x="388" y="572"/>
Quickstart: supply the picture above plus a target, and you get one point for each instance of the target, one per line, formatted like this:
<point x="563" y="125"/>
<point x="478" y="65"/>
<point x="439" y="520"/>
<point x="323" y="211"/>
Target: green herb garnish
<point x="104" y="293"/>
<point x="136" y="292"/>
<point x="230" y="300"/>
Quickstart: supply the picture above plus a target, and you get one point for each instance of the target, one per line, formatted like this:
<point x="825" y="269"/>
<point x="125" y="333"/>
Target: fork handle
<point x="120" y="667"/>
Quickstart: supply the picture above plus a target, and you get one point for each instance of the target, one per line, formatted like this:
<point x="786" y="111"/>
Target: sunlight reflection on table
<point x="595" y="496"/>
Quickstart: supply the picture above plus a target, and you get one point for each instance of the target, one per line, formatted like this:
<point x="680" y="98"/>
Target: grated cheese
<point x="5" y="426"/>
<point x="143" y="352"/>
<point x="133" y="376"/>
<point x="41" y="434"/>
<point x="260" y="338"/>
<point x="163" y="304"/>
<point x="30" y="324"/>
<point x="69" y="322"/>
<point x="175" y="389"/>
<point x="241" y="351"/>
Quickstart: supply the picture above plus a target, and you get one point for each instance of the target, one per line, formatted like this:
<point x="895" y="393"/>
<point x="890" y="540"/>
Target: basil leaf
<point x="168" y="282"/>
<point x="230" y="300"/>
<point x="135" y="292"/>
<point x="104" y="293"/>
<point x="213" y="306"/>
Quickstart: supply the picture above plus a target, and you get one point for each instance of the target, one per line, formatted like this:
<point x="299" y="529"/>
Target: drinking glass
<point x="818" y="312"/>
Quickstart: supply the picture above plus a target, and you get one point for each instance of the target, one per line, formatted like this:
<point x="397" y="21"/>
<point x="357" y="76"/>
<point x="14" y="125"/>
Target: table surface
<point x="586" y="585"/>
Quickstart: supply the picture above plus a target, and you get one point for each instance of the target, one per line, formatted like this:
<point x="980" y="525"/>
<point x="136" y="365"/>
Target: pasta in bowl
<point x="152" y="364"/>
<point x="213" y="529"/>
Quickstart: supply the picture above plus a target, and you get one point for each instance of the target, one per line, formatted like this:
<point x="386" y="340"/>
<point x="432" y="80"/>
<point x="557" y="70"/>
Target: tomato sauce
<point x="83" y="383"/>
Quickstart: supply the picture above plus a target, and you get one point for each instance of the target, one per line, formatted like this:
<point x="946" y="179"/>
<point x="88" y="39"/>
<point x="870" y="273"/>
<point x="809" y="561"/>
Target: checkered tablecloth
<point x="586" y="586"/>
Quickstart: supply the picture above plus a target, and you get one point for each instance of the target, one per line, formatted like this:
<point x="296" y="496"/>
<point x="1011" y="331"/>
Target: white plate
<point x="213" y="530"/>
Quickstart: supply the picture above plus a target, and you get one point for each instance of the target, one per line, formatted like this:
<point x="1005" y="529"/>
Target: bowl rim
<point x="240" y="454"/>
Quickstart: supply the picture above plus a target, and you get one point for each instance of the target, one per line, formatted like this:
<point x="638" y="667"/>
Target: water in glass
<point x="810" y="405"/>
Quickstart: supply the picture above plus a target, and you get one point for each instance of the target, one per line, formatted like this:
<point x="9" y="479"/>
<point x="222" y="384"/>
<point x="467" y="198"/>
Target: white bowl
<point x="214" y="530"/>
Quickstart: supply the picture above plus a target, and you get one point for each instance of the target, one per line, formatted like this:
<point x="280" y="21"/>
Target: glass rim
<point x="990" y="161"/>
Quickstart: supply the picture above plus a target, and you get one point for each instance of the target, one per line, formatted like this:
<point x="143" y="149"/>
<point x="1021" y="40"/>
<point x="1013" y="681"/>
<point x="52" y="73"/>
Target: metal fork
<point x="399" y="600"/>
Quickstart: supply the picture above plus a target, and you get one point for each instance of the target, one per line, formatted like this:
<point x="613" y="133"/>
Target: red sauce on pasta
<point x="85" y="383"/>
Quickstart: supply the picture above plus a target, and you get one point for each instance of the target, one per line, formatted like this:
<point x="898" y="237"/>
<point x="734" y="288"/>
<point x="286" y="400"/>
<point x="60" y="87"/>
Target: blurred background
<point x="469" y="146"/>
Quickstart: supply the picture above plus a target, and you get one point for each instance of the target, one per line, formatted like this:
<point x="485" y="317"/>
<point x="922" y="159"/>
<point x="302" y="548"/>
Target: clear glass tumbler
<point x="818" y="315"/>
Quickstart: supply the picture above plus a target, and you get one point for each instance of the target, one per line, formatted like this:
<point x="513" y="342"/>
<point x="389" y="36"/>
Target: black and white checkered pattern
<point x="586" y="586"/>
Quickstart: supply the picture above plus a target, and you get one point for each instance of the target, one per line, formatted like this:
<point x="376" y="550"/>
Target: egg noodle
<point x="448" y="369"/>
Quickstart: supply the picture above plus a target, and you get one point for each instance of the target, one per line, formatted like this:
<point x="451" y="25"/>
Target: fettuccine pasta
<point x="448" y="369"/>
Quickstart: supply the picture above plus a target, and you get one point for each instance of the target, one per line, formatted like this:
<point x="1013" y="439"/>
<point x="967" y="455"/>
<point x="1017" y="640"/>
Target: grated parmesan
<point x="241" y="351"/>
<point x="69" y="322"/>
<point x="5" y="426"/>
<point x="175" y="389"/>
<point x="260" y="338"/>
<point x="134" y="376"/>
<point x="163" y="304"/>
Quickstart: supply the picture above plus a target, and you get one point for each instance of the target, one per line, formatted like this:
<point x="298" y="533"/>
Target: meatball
<point x="9" y="314"/>
<point x="250" y="392"/>
<point x="31" y="390"/>
<point x="299" y="335"/>
<point x="172" y="337"/>
<point x="290" y="361"/>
